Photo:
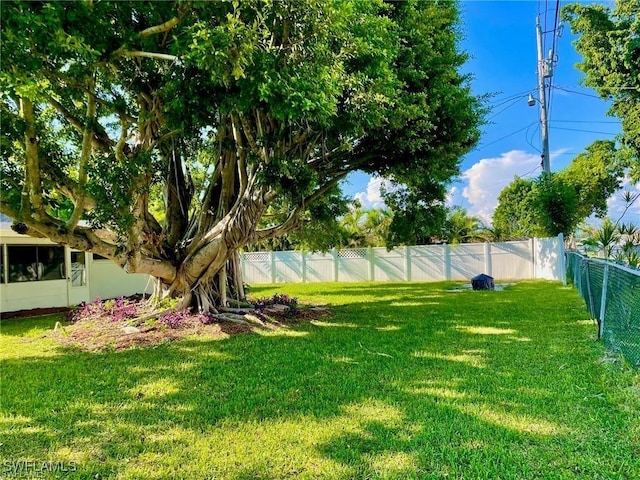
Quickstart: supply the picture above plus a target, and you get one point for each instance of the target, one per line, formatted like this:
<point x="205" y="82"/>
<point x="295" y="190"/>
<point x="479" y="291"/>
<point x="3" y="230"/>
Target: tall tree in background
<point x="179" y="132"/>
<point x="546" y="206"/>
<point x="595" y="175"/>
<point x="609" y="43"/>
<point x="557" y="202"/>
<point x="514" y="214"/>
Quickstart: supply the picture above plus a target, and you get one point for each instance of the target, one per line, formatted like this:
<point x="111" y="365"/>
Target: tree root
<point x="149" y="316"/>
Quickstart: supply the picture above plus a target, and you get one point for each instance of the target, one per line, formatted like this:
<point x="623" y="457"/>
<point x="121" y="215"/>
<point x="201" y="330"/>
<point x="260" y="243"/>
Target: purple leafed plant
<point x="86" y="310"/>
<point x="122" y="309"/>
<point x="206" y="318"/>
<point x="113" y="310"/>
<point x="276" y="299"/>
<point x="174" y="319"/>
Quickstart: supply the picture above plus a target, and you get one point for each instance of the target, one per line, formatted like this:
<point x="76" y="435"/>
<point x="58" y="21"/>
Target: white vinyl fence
<point x="541" y="258"/>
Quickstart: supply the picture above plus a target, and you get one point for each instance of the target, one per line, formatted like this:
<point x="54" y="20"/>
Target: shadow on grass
<point x="467" y="387"/>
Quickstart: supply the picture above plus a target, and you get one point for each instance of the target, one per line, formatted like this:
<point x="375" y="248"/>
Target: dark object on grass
<point x="482" y="282"/>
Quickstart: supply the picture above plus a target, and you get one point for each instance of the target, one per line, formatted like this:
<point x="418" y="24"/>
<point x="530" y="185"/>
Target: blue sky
<point x="500" y="38"/>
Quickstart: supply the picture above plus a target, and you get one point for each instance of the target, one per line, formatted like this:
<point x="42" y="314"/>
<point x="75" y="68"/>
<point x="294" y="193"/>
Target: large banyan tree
<point x="166" y="136"/>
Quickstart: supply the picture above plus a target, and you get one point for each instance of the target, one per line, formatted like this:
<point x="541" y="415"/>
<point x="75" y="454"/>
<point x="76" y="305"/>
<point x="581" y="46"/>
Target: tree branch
<point x="246" y="128"/>
<point x="164" y="27"/>
<point x="294" y="217"/>
<point x="99" y="139"/>
<point x="32" y="191"/>
<point x="87" y="144"/>
<point x="139" y="53"/>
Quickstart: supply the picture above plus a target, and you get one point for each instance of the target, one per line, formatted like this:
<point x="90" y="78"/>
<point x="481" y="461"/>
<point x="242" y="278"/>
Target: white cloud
<point x="372" y="198"/>
<point x="489" y="176"/>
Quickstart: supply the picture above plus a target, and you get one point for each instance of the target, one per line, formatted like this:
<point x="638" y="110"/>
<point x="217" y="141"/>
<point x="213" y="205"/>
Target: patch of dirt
<point x="99" y="334"/>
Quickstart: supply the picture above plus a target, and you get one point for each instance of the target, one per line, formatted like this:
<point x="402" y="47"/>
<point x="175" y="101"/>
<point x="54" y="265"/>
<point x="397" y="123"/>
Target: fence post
<point x="447" y="261"/>
<point x="372" y="264"/>
<point x="603" y="300"/>
<point x="563" y="259"/>
<point x="487" y="259"/>
<point x="534" y="260"/>
<point x="272" y="257"/>
<point x="592" y="309"/>
<point x="336" y="268"/>
<point x="407" y="263"/>
<point x="304" y="267"/>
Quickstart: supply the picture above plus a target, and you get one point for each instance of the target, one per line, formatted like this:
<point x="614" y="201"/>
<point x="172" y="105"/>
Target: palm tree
<point x="463" y="228"/>
<point x="375" y="226"/>
<point x="606" y="237"/>
<point x="352" y="232"/>
<point x="629" y="241"/>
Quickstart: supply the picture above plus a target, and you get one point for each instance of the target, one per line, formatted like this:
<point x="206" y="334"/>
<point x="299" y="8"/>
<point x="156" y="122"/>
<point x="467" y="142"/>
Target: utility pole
<point x="545" y="70"/>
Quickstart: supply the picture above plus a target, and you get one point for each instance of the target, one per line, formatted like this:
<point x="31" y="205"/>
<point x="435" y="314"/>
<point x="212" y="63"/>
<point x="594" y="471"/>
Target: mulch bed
<point x="95" y="335"/>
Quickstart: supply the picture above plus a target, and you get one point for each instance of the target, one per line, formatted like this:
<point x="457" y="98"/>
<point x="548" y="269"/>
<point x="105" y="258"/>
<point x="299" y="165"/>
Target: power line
<point x="616" y="122"/>
<point x="529" y="138"/>
<point x="511" y="97"/>
<point x="509" y="135"/>
<point x="515" y="102"/>
<point x="584" y="131"/>
<point x="576" y="92"/>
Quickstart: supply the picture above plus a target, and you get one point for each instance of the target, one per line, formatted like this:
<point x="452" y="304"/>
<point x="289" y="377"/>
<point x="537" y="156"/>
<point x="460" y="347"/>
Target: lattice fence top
<point x="353" y="253"/>
<point x="257" y="256"/>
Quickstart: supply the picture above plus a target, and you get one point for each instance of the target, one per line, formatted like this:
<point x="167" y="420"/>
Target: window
<point x="33" y="263"/>
<point x="3" y="274"/>
<point x="78" y="270"/>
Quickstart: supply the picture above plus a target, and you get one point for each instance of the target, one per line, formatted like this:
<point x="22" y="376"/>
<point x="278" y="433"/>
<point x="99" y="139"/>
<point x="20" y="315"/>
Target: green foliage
<point x="174" y="125"/>
<point x="558" y="202"/>
<point x="609" y="42"/>
<point x="349" y="226"/>
<point x="514" y="213"/>
<point x="617" y="241"/>
<point x="595" y="175"/>
<point x="460" y="227"/>
<point x="555" y="204"/>
<point x="416" y="220"/>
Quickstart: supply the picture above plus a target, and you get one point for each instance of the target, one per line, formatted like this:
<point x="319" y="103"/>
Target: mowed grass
<point x="404" y="381"/>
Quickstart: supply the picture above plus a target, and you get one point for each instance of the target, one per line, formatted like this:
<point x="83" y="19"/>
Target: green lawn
<point x="404" y="381"/>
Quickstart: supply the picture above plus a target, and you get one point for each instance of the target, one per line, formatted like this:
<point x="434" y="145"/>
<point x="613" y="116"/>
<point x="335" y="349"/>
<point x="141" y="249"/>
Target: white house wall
<point x="104" y="278"/>
<point x="107" y="280"/>
<point x="28" y="295"/>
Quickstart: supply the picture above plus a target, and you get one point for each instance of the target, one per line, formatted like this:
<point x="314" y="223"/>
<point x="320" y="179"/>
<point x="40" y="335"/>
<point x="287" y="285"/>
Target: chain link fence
<point x="612" y="295"/>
